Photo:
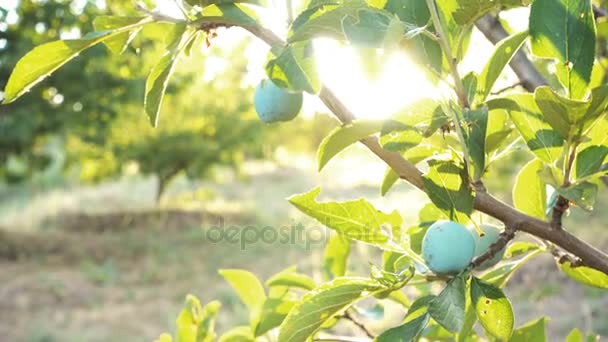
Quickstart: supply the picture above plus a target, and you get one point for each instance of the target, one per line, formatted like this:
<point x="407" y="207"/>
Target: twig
<point x="497" y="246"/>
<point x="334" y="338"/>
<point x="599" y="12"/>
<point x="562" y="256"/>
<point x="347" y="315"/>
<point x="500" y="91"/>
<point x="447" y="49"/>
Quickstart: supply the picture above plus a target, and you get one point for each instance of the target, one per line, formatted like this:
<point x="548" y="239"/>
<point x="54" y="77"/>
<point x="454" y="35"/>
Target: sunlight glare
<point x="399" y="83"/>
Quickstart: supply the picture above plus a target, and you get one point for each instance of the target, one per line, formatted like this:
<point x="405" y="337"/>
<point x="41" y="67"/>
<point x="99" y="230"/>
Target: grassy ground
<point x="103" y="264"/>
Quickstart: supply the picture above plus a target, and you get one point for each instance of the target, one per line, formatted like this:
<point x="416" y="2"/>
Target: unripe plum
<point x="274" y="104"/>
<point x="483" y="243"/>
<point x="447" y="247"/>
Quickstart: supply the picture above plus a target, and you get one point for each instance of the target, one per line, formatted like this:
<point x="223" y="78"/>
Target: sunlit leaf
<point x="585" y="275"/>
<point x="158" y="79"/>
<point x="44" y="59"/>
<point x="357" y="219"/>
<point x="291" y="278"/>
<point x="529" y="192"/>
<point x="503" y="52"/>
<point x="565" y="30"/>
<point x="470" y="10"/>
<point x="321" y="304"/>
<point x="447" y="188"/>
<point x="342" y="137"/>
<point x="493" y="309"/>
<point x="238" y="334"/>
<point x="531" y="331"/>
<point x="294" y="67"/>
<point x="500" y="276"/>
<point x="413" y="325"/>
<point x="590" y="160"/>
<point x="336" y="255"/>
<point x="247" y="286"/>
<point x="118" y="43"/>
<point x="540" y="137"/>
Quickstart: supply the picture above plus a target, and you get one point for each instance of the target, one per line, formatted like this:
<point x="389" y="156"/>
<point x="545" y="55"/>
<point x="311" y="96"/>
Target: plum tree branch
<point x="484" y="202"/>
<point x="497" y="246"/>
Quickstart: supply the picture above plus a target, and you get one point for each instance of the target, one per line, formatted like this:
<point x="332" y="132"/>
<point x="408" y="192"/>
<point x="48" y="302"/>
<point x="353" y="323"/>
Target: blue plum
<point x="447" y="247"/>
<point x="275" y="104"/>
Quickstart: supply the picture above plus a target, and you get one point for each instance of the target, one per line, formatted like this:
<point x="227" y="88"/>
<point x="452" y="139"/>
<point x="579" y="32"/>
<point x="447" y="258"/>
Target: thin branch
<point x="507" y="88"/>
<point x="359" y="324"/>
<point x="503" y="239"/>
<point x="335" y="338"/>
<point x="447" y="49"/>
<point x="599" y="12"/>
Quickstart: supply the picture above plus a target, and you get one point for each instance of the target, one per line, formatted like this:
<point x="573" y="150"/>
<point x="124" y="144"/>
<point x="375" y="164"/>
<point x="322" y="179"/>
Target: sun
<point x="396" y="83"/>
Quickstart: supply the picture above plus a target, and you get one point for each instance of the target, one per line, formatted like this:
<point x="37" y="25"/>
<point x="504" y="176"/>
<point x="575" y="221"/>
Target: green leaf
<point x="590" y="160"/>
<point x="421" y="49"/>
<point x="291" y="278"/>
<point x="474" y="128"/>
<point x="118" y="43"/>
<point x="373" y="28"/>
<point x="336" y="255"/>
<point x="503" y="52"/>
<point x="324" y="21"/>
<point x="413" y="325"/>
<point x="406" y="332"/>
<point x="196" y="323"/>
<point x="493" y="309"/>
<point x="540" y="137"/>
<point x="247" y="286"/>
<point x="272" y="314"/>
<point x="448" y="308"/>
<point x="585" y="275"/>
<point x="565" y="30"/>
<point x="390" y="178"/>
<point x="500" y="276"/>
<point x="342" y="137"/>
<point x="228" y="14"/>
<point x="469" y="11"/>
<point x="529" y="192"/>
<point x="357" y="219"/>
<point x="582" y="194"/>
<point x="575" y="336"/>
<point x="500" y="129"/>
<point x="531" y="331"/>
<point x="563" y="114"/>
<point x="44" y="59"/>
<point x="159" y="76"/>
<point x="406" y="129"/>
<point x="320" y="305"/>
<point x="295" y="68"/>
<point x="238" y="334"/>
<point x="518" y="248"/>
<point x="445" y="185"/>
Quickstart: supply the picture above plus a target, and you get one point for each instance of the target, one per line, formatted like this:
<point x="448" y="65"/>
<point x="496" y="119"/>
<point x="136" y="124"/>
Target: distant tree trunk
<point x="162" y="184"/>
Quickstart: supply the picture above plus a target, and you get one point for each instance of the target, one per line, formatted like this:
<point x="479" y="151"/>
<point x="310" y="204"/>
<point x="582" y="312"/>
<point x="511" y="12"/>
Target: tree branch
<point x="497" y="246"/>
<point x="484" y="202"/>
<point x="359" y="324"/>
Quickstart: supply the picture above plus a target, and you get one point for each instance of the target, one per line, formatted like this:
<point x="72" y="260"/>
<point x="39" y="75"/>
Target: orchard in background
<point x="443" y="146"/>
